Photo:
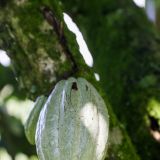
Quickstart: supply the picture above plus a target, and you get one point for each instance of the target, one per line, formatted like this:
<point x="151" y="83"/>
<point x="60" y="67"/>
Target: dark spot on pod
<point x="74" y="86"/>
<point x="86" y="88"/>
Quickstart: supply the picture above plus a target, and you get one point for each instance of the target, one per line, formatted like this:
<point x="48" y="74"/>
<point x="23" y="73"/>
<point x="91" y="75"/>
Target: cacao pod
<point x="73" y="124"/>
<point x="31" y="123"/>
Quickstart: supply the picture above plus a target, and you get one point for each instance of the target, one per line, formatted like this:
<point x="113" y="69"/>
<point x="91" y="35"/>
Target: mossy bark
<point x="121" y="46"/>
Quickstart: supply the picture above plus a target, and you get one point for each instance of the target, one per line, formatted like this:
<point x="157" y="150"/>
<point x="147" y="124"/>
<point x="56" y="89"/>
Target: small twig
<point x="58" y="28"/>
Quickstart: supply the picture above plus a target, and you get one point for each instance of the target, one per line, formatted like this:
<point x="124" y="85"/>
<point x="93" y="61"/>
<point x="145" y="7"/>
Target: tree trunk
<point x="124" y="47"/>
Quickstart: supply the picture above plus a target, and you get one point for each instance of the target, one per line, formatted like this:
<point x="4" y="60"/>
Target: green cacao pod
<point x="31" y="123"/>
<point x="73" y="124"/>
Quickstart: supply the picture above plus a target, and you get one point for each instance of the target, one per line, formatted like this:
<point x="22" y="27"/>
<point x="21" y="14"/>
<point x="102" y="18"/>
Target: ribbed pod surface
<point x="73" y="124"/>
